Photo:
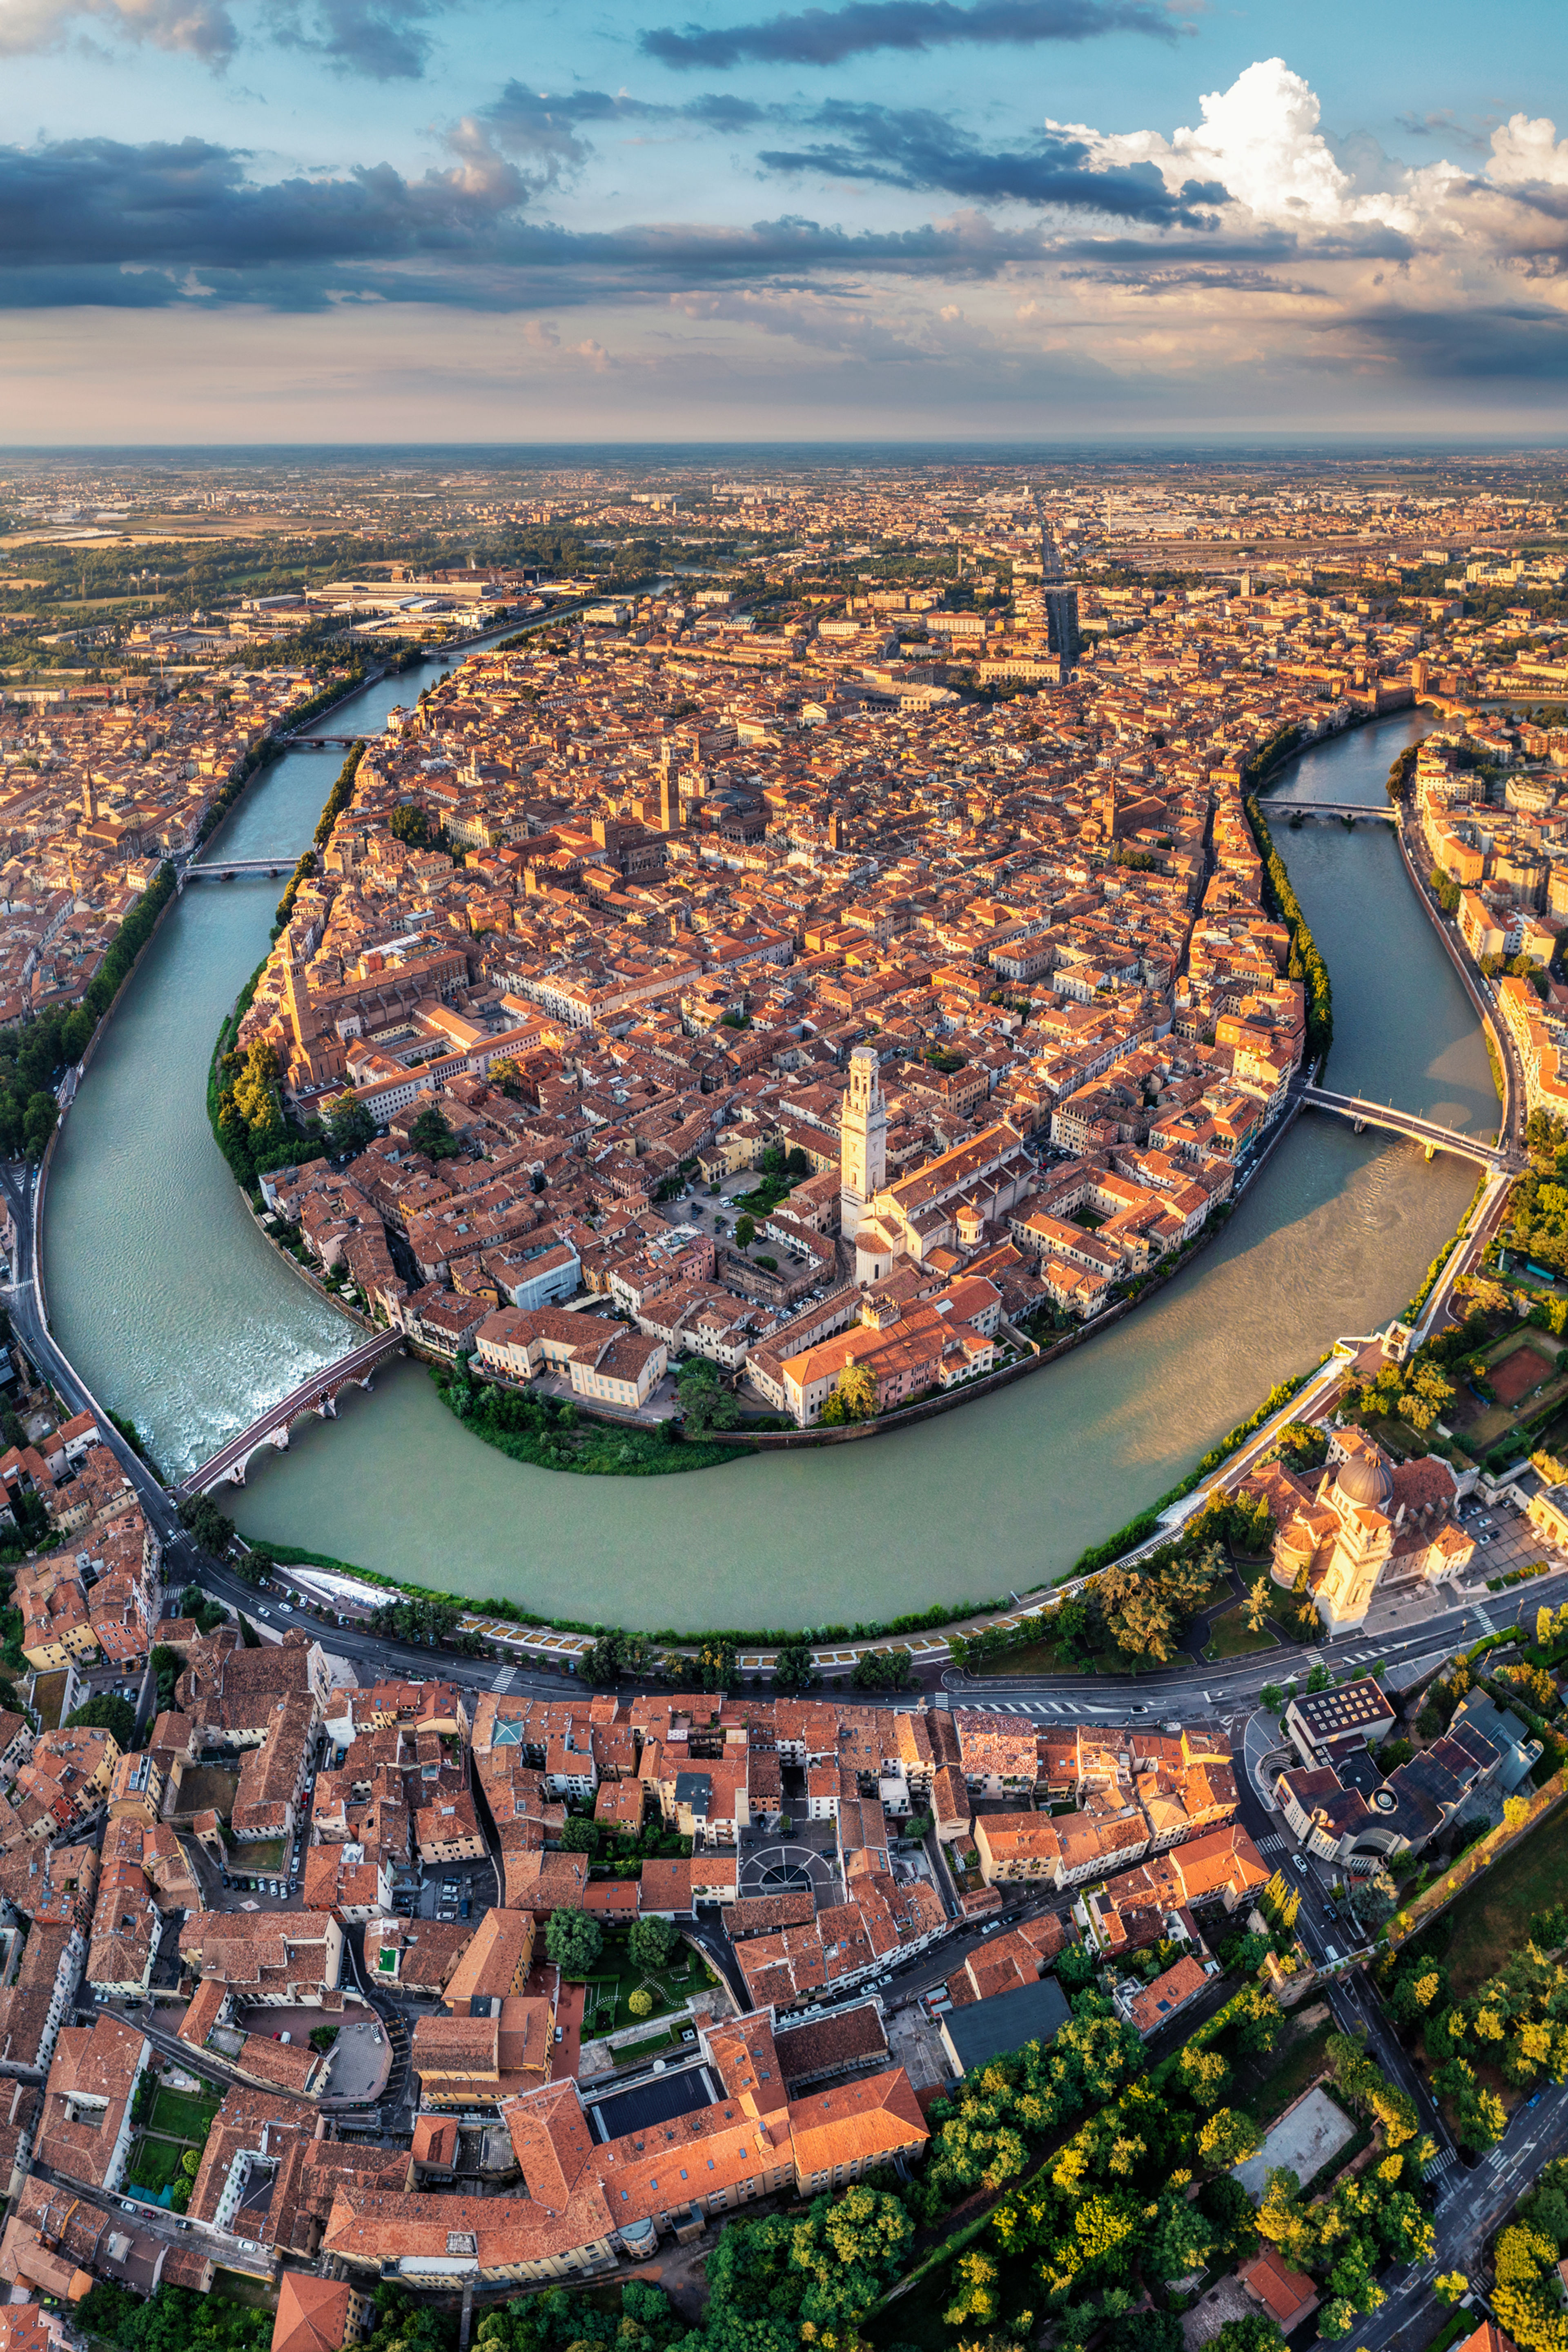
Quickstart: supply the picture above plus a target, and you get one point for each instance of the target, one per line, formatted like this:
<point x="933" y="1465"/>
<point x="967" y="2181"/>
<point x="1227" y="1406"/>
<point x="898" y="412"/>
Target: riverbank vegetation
<point x="1304" y="963"/>
<point x="924" y="1620"/>
<point x="35" y="1053"/>
<point x="550" y="1433"/>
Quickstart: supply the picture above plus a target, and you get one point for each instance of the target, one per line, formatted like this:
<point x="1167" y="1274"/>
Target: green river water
<point x="179" y="1314"/>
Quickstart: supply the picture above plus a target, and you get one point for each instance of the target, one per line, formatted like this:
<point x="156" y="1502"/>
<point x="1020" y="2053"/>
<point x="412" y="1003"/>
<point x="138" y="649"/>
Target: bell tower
<point x="862" y="1140"/>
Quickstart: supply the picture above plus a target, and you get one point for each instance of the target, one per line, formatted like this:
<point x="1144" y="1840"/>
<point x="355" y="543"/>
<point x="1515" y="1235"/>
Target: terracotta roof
<point x="312" y="2313"/>
<point x="854" y="2122"/>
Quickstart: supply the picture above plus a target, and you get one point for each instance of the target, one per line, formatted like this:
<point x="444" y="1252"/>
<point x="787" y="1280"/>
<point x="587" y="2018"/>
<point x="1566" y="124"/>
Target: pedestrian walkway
<point x="1272" y="1844"/>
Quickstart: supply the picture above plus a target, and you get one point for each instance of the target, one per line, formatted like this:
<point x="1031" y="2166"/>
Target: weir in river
<point x="178" y="1313"/>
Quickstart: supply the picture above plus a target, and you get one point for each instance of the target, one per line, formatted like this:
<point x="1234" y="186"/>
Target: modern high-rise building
<point x="862" y="1140"/>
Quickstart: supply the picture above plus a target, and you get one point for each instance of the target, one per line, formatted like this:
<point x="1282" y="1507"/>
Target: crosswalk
<point x="1444" y="2161"/>
<point x="1273" y="1845"/>
<point x="1075" y="1710"/>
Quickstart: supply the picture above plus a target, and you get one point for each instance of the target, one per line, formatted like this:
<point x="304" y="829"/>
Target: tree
<point x="704" y="1401"/>
<point x="1205" y="2075"/>
<point x="431" y="1135"/>
<point x="1515" y="1814"/>
<point x="38" y="1122"/>
<point x="745" y="1231"/>
<point x="1253" y="2334"/>
<point x="793" y="1669"/>
<point x="853" y="1396"/>
<point x="975" y="2301"/>
<point x="579" y="1836"/>
<point x="881" y="1670"/>
<point x="349" y="1124"/>
<point x="573" y="1941"/>
<point x="1228" y="2139"/>
<point x="718" y="1665"/>
<point x="649" y="1943"/>
<point x="640" y="2003"/>
<point x="1272" y="1697"/>
<point x="1452" y="2285"/>
<point x="1257" y="1604"/>
<point x="115" y="1715"/>
<point x="191" y="2162"/>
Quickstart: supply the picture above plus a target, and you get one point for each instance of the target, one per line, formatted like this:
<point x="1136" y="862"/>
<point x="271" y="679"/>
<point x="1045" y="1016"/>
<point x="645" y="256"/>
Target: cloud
<point x="1260" y="138"/>
<point x="913" y="148"/>
<point x="1526" y="152"/>
<point x="540" y="128"/>
<point x="1494" y="345"/>
<point x="183" y="214"/>
<point x="826" y="37"/>
<point x="386" y="40"/>
<point x="203" y="28"/>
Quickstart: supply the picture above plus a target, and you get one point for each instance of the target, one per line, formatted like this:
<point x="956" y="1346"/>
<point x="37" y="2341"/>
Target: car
<point x="1301" y="1862"/>
<point x="560" y="2034"/>
<point x="1533" y="2100"/>
<point x="1329" y="1953"/>
<point x="375" y="2035"/>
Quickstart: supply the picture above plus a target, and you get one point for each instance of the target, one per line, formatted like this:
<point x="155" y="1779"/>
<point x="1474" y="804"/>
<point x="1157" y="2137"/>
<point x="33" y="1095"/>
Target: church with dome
<point x="1361" y="1521"/>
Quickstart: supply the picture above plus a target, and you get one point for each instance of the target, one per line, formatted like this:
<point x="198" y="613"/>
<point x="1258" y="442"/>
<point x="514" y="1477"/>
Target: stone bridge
<point x="318" y="1395"/>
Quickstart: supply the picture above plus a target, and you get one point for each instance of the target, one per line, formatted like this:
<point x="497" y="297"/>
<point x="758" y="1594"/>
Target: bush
<point x="640" y="2003"/>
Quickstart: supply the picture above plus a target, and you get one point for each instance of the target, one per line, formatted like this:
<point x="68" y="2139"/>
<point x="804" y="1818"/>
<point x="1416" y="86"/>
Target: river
<point x="177" y="1312"/>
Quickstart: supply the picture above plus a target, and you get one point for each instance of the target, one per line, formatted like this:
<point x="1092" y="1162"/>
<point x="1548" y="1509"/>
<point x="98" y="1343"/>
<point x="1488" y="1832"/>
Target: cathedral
<point x="1361" y="1521"/>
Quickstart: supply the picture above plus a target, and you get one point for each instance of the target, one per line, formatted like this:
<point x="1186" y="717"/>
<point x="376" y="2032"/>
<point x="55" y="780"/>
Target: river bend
<point x="179" y="1314"/>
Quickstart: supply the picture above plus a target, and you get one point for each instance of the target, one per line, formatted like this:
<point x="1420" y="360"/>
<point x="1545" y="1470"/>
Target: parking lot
<point x="1505" y="1540"/>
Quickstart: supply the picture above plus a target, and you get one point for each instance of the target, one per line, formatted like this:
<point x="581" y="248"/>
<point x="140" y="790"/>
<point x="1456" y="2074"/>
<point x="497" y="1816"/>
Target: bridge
<point x="318" y="1395"/>
<point x="1355" y="811"/>
<point x="230" y="870"/>
<point x="1425" y="1131"/>
<point x="319" y="742"/>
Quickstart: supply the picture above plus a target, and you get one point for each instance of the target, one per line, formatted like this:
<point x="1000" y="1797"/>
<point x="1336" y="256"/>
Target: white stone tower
<point x="862" y="1140"/>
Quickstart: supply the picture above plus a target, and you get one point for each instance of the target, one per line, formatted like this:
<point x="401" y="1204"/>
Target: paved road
<point x="1232" y="1688"/>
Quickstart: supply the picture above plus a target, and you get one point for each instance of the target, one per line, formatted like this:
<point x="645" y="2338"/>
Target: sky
<point x="572" y="220"/>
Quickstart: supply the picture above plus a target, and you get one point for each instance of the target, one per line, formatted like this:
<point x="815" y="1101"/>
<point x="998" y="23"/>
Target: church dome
<point x="1366" y="1480"/>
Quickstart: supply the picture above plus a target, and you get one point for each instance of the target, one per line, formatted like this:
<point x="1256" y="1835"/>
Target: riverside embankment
<point x="179" y="1314"/>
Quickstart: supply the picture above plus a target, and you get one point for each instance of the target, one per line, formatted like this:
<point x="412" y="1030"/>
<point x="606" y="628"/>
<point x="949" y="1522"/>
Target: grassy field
<point x="1036" y="1658"/>
<point x="1491" y="1917"/>
<point x="181" y="2116"/>
<point x="155" y="2163"/>
<point x="255" y="1857"/>
<point x="1264" y="2086"/>
<point x="651" y="2045"/>
<point x="614" y="1979"/>
<point x="1230" y="1636"/>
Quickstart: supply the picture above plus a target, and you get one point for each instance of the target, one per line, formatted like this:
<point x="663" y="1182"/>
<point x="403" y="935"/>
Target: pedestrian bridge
<point x="318" y="1395"/>
<point x="1354" y="811"/>
<point x="1425" y="1131"/>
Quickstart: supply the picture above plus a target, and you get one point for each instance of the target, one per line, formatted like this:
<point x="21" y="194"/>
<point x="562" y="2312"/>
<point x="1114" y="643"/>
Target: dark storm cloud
<point x="826" y="37"/>
<point x="98" y="221"/>
<point x="1490" y="343"/>
<point x="914" y="148"/>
